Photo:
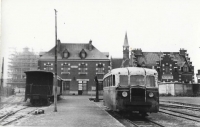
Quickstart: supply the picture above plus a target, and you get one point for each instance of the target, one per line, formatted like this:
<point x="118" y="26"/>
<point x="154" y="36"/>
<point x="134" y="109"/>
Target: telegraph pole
<point x="1" y="86"/>
<point x="56" y="83"/>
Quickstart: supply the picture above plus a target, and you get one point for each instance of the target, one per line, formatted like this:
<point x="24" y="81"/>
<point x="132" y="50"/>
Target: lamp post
<point x="55" y="92"/>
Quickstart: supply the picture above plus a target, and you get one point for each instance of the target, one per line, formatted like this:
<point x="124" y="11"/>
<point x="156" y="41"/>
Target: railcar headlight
<point x="151" y="94"/>
<point x="124" y="94"/>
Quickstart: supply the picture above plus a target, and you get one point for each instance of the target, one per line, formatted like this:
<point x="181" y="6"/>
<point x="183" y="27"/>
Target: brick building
<point x="198" y="76"/>
<point x="175" y="69"/>
<point x="196" y="86"/>
<point x="78" y="64"/>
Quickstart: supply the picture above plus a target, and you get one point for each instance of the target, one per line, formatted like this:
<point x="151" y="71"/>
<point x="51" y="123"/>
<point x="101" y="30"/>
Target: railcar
<point x="131" y="89"/>
<point x="40" y="87"/>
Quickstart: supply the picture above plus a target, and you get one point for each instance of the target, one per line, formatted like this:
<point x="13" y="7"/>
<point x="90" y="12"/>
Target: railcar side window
<point x="110" y="80"/>
<point x="150" y="80"/>
<point x="106" y="82"/>
<point x="123" y="80"/>
<point x="137" y="80"/>
<point x="113" y="80"/>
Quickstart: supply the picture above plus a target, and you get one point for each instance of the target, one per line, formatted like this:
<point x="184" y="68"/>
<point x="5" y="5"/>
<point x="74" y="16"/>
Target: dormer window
<point x="65" y="54"/>
<point x="83" y="54"/>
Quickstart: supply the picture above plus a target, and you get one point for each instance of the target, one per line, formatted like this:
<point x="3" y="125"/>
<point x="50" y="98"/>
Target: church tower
<point x="126" y="48"/>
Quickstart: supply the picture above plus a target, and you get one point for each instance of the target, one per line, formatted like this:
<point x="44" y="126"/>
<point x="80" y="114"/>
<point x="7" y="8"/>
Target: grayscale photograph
<point x="107" y="63"/>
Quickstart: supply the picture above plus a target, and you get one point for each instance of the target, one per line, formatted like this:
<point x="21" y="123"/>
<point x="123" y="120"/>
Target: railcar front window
<point x="137" y="80"/>
<point x="123" y="80"/>
<point x="150" y="81"/>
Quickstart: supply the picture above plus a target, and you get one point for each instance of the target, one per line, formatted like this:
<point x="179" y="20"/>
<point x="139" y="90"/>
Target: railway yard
<point x="173" y="112"/>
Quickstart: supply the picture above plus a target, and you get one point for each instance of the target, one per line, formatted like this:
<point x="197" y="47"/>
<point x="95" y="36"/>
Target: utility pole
<point x="1" y="86"/>
<point x="56" y="84"/>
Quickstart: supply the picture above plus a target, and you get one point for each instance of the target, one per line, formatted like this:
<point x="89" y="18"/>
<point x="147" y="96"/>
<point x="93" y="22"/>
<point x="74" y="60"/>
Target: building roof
<point x="150" y="58"/>
<point x="116" y="62"/>
<point x="74" y="50"/>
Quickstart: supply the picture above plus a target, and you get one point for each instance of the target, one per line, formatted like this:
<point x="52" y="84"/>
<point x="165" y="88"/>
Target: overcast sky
<point x="152" y="25"/>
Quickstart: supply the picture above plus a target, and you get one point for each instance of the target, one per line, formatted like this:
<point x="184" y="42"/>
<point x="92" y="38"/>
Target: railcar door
<point x="66" y="87"/>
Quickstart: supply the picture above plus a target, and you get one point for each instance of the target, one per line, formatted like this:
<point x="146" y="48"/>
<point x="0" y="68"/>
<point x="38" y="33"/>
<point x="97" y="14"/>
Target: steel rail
<point x="115" y="114"/>
<point x="12" y="120"/>
<point x="175" y="102"/>
<point x="179" y="115"/>
<point x="17" y="118"/>
<point x="180" y="106"/>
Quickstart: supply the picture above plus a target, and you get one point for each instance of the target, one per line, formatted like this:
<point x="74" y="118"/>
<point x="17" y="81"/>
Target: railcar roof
<point x="132" y="71"/>
<point x="35" y="71"/>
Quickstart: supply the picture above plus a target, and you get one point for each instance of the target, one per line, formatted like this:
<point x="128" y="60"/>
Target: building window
<point x="65" y="68"/>
<point x="83" y="68"/>
<point x="100" y="68"/>
<point x="167" y="71"/>
<point x="48" y="66"/>
<point x="185" y="69"/>
<point x="175" y="69"/>
<point x="158" y="69"/>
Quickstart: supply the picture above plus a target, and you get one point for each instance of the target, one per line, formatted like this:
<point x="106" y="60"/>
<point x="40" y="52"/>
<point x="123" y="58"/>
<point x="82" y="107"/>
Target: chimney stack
<point x="90" y="47"/>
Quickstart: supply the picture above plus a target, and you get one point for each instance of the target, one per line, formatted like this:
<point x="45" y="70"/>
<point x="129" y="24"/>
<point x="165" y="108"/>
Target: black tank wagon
<point x="40" y="87"/>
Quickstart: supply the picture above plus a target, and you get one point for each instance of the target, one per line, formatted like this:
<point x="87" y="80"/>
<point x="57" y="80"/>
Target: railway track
<point x="136" y="120"/>
<point x="145" y="122"/>
<point x="15" y="115"/>
<point x="180" y="106"/>
<point x="180" y="103"/>
<point x="180" y="114"/>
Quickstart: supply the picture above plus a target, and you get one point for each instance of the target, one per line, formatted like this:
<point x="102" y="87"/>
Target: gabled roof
<point x="74" y="49"/>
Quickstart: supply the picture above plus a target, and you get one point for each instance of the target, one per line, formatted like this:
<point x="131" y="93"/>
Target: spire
<point x="126" y="41"/>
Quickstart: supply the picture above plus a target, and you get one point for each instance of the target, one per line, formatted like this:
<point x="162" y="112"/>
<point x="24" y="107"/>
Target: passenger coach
<point x="131" y="89"/>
